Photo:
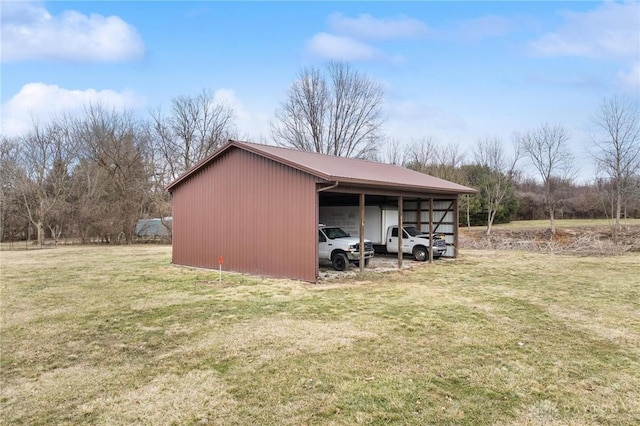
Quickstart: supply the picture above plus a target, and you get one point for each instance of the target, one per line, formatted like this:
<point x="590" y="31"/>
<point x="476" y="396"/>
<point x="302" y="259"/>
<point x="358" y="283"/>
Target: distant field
<point x="118" y="336"/>
<point x="561" y="223"/>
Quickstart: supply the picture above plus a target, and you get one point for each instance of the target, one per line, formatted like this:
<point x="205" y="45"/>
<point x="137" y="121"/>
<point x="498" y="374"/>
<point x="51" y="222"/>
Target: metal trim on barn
<point x="258" y="206"/>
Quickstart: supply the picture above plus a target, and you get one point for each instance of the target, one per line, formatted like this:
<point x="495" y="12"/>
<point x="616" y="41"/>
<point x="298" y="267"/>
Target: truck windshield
<point x="412" y="231"/>
<point x="335" y="233"/>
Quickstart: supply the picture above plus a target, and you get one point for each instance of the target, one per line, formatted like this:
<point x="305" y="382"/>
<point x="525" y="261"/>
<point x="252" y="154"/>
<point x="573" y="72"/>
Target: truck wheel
<point x="420" y="254"/>
<point x="340" y="261"/>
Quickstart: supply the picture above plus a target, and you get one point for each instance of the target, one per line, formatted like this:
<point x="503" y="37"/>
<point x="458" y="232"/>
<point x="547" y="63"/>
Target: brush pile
<point x="585" y="241"/>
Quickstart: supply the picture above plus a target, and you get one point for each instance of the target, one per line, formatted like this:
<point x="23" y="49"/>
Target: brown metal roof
<point x="340" y="169"/>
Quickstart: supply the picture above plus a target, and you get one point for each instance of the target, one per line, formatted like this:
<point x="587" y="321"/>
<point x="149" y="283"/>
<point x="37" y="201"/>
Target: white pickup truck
<point x="415" y="243"/>
<point x="340" y="248"/>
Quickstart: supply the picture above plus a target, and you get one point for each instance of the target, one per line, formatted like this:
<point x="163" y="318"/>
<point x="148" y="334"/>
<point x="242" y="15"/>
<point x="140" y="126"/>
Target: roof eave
<point x="411" y="188"/>
<point x="197" y="166"/>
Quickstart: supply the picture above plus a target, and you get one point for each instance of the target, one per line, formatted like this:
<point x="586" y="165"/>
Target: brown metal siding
<point x="258" y="214"/>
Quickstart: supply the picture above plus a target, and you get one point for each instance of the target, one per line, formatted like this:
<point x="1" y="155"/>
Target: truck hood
<point x="351" y="240"/>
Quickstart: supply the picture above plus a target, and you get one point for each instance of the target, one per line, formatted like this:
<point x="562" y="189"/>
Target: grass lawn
<point x="117" y="335"/>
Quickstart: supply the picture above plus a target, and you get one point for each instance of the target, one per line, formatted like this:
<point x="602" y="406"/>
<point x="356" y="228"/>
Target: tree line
<point x="90" y="177"/>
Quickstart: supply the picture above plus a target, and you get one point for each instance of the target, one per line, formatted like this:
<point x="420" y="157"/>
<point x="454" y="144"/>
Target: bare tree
<point x="196" y="126"/>
<point x="10" y="173"/>
<point x="58" y="182"/>
<point x="434" y="158"/>
<point x="393" y="153"/>
<point x="119" y="145"/>
<point x="547" y="150"/>
<point x="497" y="183"/>
<point x="422" y="154"/>
<point x="47" y="153"/>
<point x="616" y="150"/>
<point x="336" y="112"/>
<point x="92" y="211"/>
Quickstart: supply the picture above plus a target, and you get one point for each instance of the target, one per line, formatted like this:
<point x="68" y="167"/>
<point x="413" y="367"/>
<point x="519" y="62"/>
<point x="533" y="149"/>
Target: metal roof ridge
<point x="290" y="149"/>
<point x="257" y="150"/>
<point x="348" y="159"/>
<point x="197" y="165"/>
<point x="251" y="147"/>
<point x="266" y="151"/>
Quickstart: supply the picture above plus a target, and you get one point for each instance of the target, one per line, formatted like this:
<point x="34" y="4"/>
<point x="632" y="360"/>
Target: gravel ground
<point x="379" y="263"/>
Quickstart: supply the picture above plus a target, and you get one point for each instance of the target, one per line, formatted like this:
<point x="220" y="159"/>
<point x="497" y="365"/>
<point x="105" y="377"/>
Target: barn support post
<point x="431" y="230"/>
<point x="316" y="238"/>
<point x="361" y="233"/>
<point x="400" y="230"/>
<point x="456" y="221"/>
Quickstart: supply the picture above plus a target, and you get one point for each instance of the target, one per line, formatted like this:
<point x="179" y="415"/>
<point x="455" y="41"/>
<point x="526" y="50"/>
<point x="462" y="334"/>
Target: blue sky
<point x="454" y="71"/>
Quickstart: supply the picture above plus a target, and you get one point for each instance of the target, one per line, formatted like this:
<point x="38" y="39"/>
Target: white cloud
<point x="30" y="32"/>
<point x="342" y="48"/>
<point x="346" y="40"/>
<point x="609" y="31"/>
<point x="21" y="11"/>
<point x="251" y="125"/>
<point x="630" y="80"/>
<point x="407" y="119"/>
<point x="484" y="27"/>
<point x="367" y="27"/>
<point x="41" y="102"/>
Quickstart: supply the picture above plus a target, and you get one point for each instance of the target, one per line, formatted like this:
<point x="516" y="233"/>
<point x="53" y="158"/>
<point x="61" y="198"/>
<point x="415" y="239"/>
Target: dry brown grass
<point x="116" y="335"/>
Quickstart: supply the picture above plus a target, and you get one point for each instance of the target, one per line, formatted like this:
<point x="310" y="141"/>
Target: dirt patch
<point x="591" y="241"/>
